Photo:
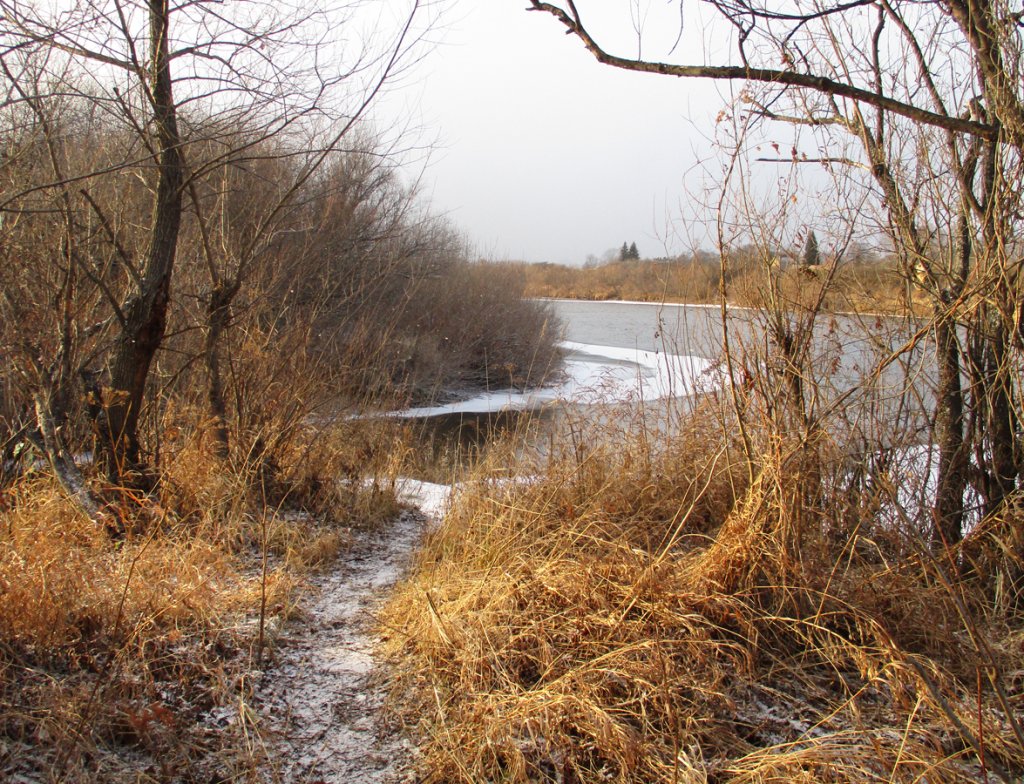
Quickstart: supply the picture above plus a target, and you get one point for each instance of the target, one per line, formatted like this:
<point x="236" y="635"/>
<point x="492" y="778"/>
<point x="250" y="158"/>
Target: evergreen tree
<point x="633" y="252"/>
<point x="624" y="253"/>
<point x="811" y="258"/>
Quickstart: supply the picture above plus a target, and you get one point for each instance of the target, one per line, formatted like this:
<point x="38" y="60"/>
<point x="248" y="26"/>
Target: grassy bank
<point x="873" y="286"/>
<point x="656" y="610"/>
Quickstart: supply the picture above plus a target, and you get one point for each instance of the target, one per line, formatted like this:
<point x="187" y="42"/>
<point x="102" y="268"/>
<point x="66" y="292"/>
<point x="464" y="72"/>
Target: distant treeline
<point x="861" y="282"/>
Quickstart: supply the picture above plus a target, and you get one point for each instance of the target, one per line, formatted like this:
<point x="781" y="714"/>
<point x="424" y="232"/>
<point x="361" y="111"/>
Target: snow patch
<point x="593" y="374"/>
<point x="321" y="700"/>
<point x="430" y="498"/>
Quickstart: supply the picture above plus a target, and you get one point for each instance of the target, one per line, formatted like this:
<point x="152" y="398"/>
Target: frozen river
<point x="622" y="351"/>
<point x="613" y="352"/>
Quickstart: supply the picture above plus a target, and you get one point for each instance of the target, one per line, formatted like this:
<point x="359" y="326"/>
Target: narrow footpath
<point x="322" y="695"/>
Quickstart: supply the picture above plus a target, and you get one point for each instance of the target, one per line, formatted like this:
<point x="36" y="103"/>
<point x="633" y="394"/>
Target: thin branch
<point x="786" y="78"/>
<point x="112" y="236"/>
<point x="825" y="160"/>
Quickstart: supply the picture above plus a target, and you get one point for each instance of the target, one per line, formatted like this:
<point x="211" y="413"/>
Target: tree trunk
<point x="1001" y="425"/>
<point x="146" y="313"/>
<point x="50" y="417"/>
<point x="218" y="312"/>
<point x="948" y="510"/>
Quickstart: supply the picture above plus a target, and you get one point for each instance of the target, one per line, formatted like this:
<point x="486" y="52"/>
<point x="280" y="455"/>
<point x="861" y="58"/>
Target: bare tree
<point x="933" y="96"/>
<point x="189" y="91"/>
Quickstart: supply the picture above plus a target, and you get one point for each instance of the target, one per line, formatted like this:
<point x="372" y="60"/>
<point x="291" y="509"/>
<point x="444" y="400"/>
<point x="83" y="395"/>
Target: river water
<point x="693" y="330"/>
<point x="613" y="352"/>
<point x="617" y="351"/>
<point x="651" y="353"/>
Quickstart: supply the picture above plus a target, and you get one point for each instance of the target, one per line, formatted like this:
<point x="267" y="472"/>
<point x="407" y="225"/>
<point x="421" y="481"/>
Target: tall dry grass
<point x="134" y="656"/>
<point x="641" y="611"/>
<point x="126" y="644"/>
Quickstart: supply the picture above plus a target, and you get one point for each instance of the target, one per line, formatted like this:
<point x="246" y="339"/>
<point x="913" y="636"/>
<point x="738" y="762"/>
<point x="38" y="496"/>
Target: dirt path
<point x="321" y="698"/>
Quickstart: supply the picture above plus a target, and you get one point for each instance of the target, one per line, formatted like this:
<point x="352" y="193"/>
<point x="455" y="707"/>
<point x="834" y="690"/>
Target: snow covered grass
<point x="320" y="699"/>
<point x="644" y="611"/>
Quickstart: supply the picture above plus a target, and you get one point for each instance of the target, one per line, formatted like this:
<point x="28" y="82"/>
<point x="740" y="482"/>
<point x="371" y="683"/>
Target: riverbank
<point x="657" y="610"/>
<point x="625" y="601"/>
<point x="589" y="374"/>
<point x="860" y="288"/>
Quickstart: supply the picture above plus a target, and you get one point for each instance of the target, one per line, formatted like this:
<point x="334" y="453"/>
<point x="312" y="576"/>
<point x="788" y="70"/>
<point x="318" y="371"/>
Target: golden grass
<point x="639" y="614"/>
<point x="861" y="287"/>
<point x="119" y="653"/>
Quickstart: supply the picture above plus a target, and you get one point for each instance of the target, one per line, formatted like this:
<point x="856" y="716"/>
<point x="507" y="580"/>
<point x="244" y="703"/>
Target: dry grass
<point x="640" y="613"/>
<point x="861" y="287"/>
<point x="132" y="657"/>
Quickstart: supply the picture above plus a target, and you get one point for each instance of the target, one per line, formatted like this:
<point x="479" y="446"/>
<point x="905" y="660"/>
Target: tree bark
<point x="948" y="508"/>
<point x="146" y="313"/>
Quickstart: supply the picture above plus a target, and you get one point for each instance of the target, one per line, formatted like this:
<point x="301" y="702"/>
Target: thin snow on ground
<point x="429" y="497"/>
<point x="322" y="696"/>
<point x="593" y="374"/>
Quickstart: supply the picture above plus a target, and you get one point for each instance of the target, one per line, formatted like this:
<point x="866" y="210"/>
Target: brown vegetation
<point x="744" y="593"/>
<point x="130" y="629"/>
<point x="131" y="658"/>
<point x="201" y="278"/>
<point x="866" y="284"/>
<point x="641" y="611"/>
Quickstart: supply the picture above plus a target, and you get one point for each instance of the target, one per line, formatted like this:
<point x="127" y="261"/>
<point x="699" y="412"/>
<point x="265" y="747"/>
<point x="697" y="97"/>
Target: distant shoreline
<point x="705" y="306"/>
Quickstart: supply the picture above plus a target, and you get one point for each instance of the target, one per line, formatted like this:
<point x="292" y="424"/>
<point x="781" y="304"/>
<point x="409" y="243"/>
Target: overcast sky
<point x="544" y="154"/>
